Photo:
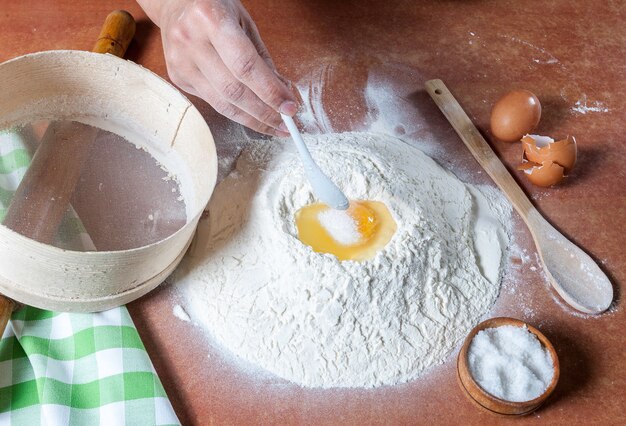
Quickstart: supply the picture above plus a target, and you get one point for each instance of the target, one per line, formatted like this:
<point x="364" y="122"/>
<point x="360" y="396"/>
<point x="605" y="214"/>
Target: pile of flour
<point x="319" y="322"/>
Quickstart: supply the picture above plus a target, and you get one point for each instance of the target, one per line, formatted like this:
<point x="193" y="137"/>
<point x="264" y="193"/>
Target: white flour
<point x="583" y="106"/>
<point x="319" y="322"/>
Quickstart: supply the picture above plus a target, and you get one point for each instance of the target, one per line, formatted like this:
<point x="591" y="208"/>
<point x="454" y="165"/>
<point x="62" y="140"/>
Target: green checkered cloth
<point x="66" y="368"/>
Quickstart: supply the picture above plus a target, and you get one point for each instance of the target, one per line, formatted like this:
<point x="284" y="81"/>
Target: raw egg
<point x="545" y="161"/>
<point x="357" y="233"/>
<point x="515" y="114"/>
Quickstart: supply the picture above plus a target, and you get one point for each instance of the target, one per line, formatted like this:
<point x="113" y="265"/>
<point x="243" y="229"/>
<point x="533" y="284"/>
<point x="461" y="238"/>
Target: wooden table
<point x="571" y="54"/>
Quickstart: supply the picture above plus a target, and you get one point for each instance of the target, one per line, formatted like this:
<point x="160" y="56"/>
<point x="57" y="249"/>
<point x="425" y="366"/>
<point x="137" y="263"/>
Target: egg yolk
<point x="357" y="233"/>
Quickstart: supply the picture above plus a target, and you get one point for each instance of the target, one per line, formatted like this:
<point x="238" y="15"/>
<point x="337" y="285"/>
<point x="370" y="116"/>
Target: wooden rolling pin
<point x="43" y="196"/>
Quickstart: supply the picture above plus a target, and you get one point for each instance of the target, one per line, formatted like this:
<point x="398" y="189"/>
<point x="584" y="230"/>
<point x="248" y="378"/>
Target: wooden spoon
<point x="572" y="273"/>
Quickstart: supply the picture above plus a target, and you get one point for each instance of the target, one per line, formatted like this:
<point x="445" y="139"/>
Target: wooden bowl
<point x="485" y="400"/>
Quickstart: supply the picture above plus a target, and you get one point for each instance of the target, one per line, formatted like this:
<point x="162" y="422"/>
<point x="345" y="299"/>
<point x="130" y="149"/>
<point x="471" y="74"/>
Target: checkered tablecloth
<point x="66" y="368"/>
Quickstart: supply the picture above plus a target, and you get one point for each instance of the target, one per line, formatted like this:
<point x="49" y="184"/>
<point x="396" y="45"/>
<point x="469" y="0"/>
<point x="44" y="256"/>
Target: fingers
<point x="213" y="50"/>
<point x="233" y="90"/>
<point x="252" y="31"/>
<point x="255" y="37"/>
<point x="242" y="59"/>
<point x="201" y="88"/>
<point x="185" y="74"/>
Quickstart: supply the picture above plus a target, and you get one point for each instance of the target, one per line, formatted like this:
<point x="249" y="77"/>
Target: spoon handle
<point x="305" y="155"/>
<point x="479" y="147"/>
<point x="572" y="272"/>
<point x="323" y="187"/>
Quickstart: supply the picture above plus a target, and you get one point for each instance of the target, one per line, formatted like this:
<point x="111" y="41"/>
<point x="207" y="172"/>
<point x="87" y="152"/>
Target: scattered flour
<point x="583" y="107"/>
<point x="510" y="363"/>
<point x="340" y="226"/>
<point x="547" y="57"/>
<point x="388" y="111"/>
<point x="180" y="313"/>
<point x="319" y="322"/>
<point x="312" y="114"/>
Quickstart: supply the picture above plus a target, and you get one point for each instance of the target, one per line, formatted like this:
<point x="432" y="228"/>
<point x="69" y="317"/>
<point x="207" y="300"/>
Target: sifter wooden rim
<point x="53" y="84"/>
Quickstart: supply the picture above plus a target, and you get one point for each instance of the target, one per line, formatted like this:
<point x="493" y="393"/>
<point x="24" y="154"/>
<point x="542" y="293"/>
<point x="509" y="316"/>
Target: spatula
<point x="572" y="273"/>
<point x="323" y="187"/>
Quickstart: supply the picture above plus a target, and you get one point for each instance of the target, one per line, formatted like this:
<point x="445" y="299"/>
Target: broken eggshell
<point x="546" y="162"/>
<point x="540" y="149"/>
<point x="546" y="174"/>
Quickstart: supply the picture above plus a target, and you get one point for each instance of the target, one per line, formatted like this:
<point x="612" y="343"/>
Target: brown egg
<point x="514" y="115"/>
<point x="546" y="174"/>
<point x="540" y="149"/>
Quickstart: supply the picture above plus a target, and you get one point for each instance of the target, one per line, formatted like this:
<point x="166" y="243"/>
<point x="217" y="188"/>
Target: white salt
<point x="340" y="226"/>
<point x="510" y="363"/>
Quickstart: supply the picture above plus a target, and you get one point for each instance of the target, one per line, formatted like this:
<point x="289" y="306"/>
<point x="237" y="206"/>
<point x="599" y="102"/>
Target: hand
<point x="213" y="50"/>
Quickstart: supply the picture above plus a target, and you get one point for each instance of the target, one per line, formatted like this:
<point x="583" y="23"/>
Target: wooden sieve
<point x="119" y="96"/>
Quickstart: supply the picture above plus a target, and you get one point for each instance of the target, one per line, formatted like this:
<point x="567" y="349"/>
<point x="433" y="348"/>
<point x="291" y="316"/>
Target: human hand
<point x="213" y="50"/>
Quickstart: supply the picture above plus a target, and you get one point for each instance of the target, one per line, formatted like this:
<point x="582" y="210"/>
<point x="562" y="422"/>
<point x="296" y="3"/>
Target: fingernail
<point x="288" y="108"/>
<point x="283" y="128"/>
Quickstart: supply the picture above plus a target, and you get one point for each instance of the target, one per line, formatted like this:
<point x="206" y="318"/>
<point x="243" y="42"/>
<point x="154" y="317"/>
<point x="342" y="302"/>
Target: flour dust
<point x="313" y="320"/>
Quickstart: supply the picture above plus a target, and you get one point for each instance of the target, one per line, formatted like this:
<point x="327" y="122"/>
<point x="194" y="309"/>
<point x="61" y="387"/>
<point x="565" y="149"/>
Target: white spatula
<point x="322" y="186"/>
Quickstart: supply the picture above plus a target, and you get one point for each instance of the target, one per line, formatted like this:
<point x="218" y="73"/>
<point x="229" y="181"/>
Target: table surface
<point x="571" y="54"/>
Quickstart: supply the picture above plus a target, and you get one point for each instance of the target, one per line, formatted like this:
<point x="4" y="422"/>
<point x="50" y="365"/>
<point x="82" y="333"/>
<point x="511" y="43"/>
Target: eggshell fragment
<point x="515" y="114"/>
<point x="546" y="174"/>
<point x="540" y="149"/>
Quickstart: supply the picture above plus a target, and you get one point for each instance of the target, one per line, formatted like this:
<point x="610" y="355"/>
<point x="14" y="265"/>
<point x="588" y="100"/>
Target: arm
<point x="213" y="50"/>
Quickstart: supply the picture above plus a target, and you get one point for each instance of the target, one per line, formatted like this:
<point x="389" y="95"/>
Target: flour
<point x="180" y="313"/>
<point x="312" y="115"/>
<point x="319" y="322"/>
<point x="582" y="106"/>
<point x="548" y="58"/>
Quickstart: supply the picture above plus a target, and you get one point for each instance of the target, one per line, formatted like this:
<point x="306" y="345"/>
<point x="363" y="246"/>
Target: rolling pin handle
<point x="116" y="34"/>
<point x="6" y="308"/>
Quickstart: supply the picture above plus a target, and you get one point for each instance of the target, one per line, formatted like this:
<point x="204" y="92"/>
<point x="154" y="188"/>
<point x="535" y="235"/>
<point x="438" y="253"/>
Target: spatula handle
<point x="479" y="148"/>
<point x="42" y="198"/>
